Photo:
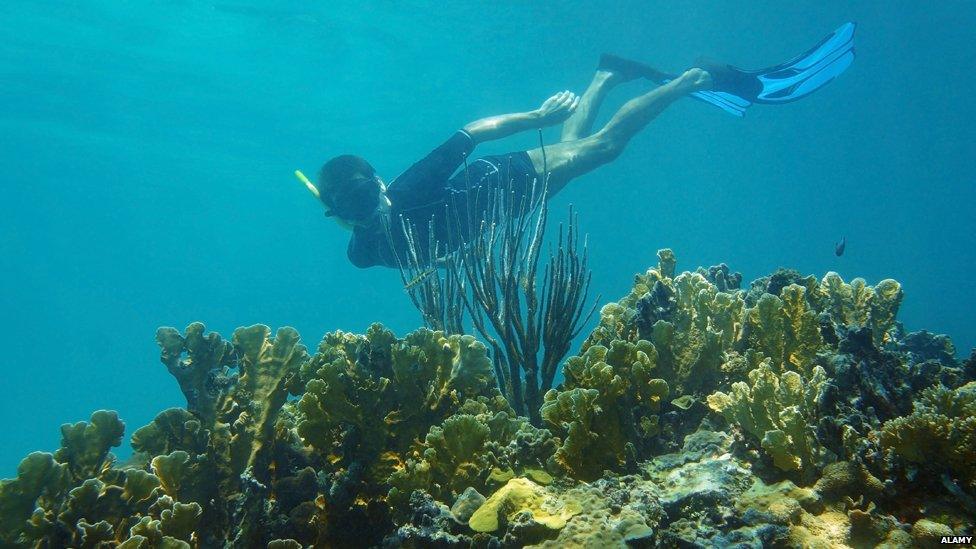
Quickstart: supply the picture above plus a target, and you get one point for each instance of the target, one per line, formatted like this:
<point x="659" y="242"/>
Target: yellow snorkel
<point x="308" y="184"/>
<point x="315" y="192"/>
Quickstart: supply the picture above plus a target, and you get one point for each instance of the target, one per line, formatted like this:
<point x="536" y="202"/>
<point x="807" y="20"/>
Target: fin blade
<point x="793" y="79"/>
<point x="732" y="104"/>
<point x="808" y="82"/>
<point x="810" y="71"/>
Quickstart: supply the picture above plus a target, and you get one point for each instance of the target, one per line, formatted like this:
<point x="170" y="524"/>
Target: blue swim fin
<point x="735" y="89"/>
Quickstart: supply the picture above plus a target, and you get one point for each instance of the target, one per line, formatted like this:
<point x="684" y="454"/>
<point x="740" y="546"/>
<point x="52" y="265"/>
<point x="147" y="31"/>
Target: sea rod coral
<point x="527" y="317"/>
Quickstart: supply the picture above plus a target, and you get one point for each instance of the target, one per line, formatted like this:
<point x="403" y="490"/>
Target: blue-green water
<point x="147" y="153"/>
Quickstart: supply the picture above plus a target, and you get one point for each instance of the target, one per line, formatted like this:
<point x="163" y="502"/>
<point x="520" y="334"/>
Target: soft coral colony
<point x="795" y="412"/>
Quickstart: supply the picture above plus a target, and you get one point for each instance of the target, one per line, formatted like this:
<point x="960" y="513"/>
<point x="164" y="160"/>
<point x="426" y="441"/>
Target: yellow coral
<point x="692" y="324"/>
<point x="785" y="329"/>
<point x="666" y="262"/>
<point x="267" y="367"/>
<point x="940" y="433"/>
<point x="777" y="409"/>
<point x="574" y="413"/>
<point x="521" y="495"/>
<point x="857" y="304"/>
<point x="608" y="407"/>
<point x="799" y="509"/>
<point x="927" y="533"/>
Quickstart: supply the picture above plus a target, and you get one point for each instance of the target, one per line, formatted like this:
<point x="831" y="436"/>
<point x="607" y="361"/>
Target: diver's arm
<point x="553" y="111"/>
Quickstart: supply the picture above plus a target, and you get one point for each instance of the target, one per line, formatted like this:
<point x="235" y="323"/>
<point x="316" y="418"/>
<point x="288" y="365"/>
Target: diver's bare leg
<point x="570" y="159"/>
<point x="636" y="113"/>
<point x="579" y="123"/>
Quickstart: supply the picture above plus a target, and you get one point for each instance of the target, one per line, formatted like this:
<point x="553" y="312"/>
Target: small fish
<point x="839" y="247"/>
<point x="418" y="279"/>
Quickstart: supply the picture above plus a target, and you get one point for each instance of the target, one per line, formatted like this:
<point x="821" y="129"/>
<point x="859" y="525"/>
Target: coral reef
<point x="607" y="408"/>
<point x="368" y="403"/>
<point x="795" y="413"/>
<point x="940" y="434"/>
<point x="775" y="408"/>
<point x="708" y="340"/>
<point x="690" y="327"/>
<point x="857" y="304"/>
<point x="75" y="498"/>
<point x="482" y="445"/>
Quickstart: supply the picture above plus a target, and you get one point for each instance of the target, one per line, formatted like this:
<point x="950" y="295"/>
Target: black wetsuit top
<point x="430" y="194"/>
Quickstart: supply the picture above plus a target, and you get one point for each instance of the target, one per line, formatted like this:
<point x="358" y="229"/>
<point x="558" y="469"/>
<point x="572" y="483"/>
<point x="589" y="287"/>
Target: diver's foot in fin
<point x="694" y="80"/>
<point x="625" y="69"/>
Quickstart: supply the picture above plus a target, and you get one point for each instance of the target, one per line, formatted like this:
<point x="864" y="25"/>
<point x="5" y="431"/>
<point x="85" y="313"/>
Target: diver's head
<point x="350" y="190"/>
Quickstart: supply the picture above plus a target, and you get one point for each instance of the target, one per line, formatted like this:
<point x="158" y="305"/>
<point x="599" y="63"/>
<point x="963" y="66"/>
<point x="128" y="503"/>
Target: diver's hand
<point x="557" y="108"/>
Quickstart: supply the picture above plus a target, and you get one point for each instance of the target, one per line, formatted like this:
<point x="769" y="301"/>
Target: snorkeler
<point x="431" y="194"/>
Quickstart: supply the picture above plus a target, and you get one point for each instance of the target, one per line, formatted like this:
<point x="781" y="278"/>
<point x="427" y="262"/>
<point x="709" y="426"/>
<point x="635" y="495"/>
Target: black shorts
<point x="502" y="171"/>
<point x="515" y="166"/>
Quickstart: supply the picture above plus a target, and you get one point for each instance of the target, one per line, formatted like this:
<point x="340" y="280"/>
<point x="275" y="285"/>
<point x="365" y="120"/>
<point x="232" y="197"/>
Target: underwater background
<point x="148" y="149"/>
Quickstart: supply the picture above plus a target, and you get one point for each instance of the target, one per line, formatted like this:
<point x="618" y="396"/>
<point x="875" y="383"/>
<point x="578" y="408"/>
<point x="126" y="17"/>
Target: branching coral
<point x="690" y="322"/>
<point x="38" y="475"/>
<point x="869" y="385"/>
<point x="941" y="433"/>
<point x="785" y="329"/>
<point x="607" y="408"/>
<point x="85" y="445"/>
<point x="693" y="340"/>
<point x="369" y="401"/>
<point x="452" y="458"/>
<point x="235" y="389"/>
<point x="707" y="335"/>
<point x="491" y="271"/>
<point x="223" y="442"/>
<point x="377" y="393"/>
<point x="483" y="442"/>
<point x="774" y="283"/>
<point x="75" y="498"/>
<point x="700" y="339"/>
<point x="204" y="374"/>
<point x="857" y="304"/>
<point x="267" y="366"/>
<point x="778" y="410"/>
<point x="171" y="430"/>
<point x="722" y="277"/>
